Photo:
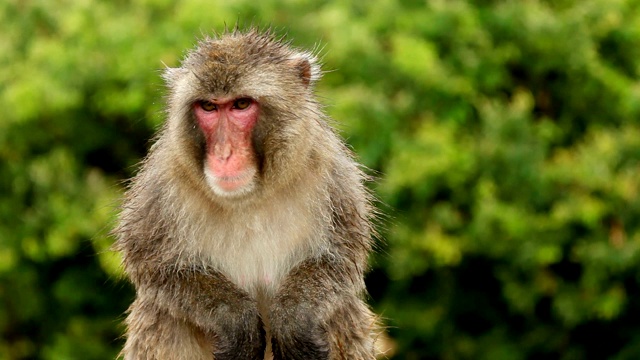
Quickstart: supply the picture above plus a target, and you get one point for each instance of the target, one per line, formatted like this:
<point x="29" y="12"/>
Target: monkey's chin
<point x="231" y="186"/>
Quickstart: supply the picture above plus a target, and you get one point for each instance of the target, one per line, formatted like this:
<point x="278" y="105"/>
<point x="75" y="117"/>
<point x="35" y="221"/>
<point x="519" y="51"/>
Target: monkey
<point x="247" y="228"/>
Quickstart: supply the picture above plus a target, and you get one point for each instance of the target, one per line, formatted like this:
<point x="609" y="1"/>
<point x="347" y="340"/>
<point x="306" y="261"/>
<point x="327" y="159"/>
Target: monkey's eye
<point x="242" y="103"/>
<point x="208" y="105"/>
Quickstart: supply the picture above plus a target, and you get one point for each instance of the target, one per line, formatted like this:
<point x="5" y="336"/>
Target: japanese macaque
<point x="247" y="229"/>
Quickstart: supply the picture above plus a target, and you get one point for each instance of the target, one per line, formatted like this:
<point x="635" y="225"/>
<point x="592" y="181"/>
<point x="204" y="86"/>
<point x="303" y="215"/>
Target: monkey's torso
<point x="257" y="244"/>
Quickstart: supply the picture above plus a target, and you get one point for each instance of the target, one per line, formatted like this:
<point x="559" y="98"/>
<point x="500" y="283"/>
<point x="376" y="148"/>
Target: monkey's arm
<point x="203" y="297"/>
<point x="318" y="312"/>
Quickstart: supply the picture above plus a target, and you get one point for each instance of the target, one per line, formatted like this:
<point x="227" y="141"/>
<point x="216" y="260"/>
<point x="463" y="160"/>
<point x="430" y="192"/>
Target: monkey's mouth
<point x="231" y="185"/>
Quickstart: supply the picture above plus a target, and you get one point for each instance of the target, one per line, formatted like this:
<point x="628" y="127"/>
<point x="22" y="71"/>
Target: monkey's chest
<point x="257" y="253"/>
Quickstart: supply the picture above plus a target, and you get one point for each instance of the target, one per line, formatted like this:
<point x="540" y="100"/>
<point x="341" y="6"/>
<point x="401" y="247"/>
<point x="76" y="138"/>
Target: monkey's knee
<point x="353" y="331"/>
<point x="155" y="335"/>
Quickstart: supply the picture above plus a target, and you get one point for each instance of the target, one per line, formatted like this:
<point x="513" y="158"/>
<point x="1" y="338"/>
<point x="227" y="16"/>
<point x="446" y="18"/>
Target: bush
<point x="506" y="136"/>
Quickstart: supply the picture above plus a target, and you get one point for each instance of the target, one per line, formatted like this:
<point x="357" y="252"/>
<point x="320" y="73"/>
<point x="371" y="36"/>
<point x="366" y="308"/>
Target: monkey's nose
<point x="222" y="151"/>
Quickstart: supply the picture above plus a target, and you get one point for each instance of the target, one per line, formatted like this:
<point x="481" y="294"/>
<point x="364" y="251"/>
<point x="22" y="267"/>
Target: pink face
<point x="230" y="165"/>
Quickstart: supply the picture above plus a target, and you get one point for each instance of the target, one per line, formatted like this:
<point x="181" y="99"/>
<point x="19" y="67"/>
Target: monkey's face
<point x="241" y="109"/>
<point x="230" y="165"/>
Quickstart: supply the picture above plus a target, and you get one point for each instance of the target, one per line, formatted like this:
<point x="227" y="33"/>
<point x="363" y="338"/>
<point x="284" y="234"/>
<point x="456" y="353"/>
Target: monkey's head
<point x="242" y="112"/>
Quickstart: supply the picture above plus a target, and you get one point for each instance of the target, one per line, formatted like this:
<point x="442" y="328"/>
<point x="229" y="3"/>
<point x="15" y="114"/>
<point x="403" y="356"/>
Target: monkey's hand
<point x="317" y="313"/>
<point x="238" y="331"/>
<point x="205" y="298"/>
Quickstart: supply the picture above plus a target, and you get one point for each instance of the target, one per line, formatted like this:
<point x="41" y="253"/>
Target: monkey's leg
<point x="201" y="308"/>
<point x="317" y="314"/>
<point x="153" y="334"/>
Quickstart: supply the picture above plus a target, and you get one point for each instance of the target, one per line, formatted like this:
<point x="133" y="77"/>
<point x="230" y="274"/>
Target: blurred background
<point x="505" y="136"/>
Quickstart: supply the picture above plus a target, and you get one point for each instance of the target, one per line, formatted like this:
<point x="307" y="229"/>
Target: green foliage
<point x="506" y="136"/>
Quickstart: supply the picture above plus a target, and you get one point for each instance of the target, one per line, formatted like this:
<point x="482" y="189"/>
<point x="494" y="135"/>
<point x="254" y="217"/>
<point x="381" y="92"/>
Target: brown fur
<point x="214" y="273"/>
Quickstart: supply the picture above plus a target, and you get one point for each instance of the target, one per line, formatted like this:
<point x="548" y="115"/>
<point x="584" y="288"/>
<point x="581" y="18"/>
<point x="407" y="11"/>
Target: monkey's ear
<point x="171" y="75"/>
<point x="307" y="68"/>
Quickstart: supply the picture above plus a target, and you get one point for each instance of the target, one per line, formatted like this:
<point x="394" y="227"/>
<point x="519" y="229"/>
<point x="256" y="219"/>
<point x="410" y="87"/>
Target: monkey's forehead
<point x="216" y="80"/>
<point x="220" y="73"/>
